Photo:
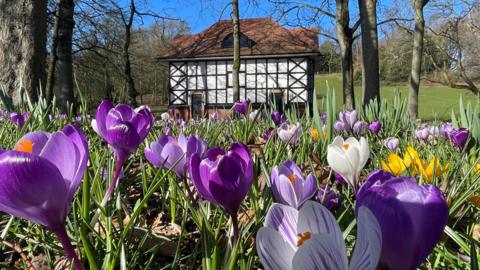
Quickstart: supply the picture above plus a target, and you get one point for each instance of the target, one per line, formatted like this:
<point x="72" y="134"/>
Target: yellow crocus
<point x="314" y="133"/>
<point x="412" y="160"/>
<point x="477" y="168"/>
<point x="433" y="167"/>
<point x="394" y="164"/>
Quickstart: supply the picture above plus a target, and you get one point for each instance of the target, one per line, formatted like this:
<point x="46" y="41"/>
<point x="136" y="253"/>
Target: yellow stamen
<point x="303" y="237"/>
<point x="25" y="146"/>
<point x="292" y="178"/>
<point x="345" y="146"/>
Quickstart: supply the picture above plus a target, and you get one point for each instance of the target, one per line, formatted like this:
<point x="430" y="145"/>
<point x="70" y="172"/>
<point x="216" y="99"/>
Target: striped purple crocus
<point x="310" y="239"/>
<point x="290" y="187"/>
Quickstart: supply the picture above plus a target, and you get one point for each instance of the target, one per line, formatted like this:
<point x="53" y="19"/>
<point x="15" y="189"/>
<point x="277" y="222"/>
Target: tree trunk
<point x="23" y="37"/>
<point x="345" y="40"/>
<point x="53" y="60"/>
<point x="417" y="56"/>
<point x="132" y="92"/>
<point x="370" y="65"/>
<point x="236" y="51"/>
<point x="64" y="52"/>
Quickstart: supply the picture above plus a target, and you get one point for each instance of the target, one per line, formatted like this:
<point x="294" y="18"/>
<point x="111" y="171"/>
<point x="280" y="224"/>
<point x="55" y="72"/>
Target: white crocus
<point x="348" y="157"/>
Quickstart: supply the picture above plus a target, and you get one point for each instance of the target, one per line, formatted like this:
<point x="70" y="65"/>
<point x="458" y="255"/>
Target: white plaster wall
<point x="201" y="76"/>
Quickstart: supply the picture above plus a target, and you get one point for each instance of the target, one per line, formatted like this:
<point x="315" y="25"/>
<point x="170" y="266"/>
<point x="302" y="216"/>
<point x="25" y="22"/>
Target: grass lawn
<point x="434" y="101"/>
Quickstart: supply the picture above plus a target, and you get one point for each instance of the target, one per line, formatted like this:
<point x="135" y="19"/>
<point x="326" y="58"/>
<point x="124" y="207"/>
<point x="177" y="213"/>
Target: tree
<point x="345" y="40"/>
<point x="417" y="55"/>
<point x="23" y="46"/>
<point x="65" y="24"/>
<point x="370" y="63"/>
<point x="236" y="51"/>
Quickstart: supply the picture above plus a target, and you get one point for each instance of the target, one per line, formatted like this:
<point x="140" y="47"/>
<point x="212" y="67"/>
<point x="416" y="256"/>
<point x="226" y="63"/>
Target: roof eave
<point x="228" y="57"/>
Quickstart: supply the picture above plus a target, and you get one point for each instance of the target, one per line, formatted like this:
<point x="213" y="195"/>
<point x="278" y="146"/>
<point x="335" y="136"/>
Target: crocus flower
<point x="391" y="143"/>
<point x="329" y="198"/>
<point x="253" y="115"/>
<point x="19" y="119"/>
<point x="266" y="135"/>
<point x="394" y="164"/>
<point x="78" y="119"/>
<point x="339" y="126"/>
<point x="165" y="116"/>
<point x="339" y="178"/>
<point x="223" y="178"/>
<point x="375" y="126"/>
<point x="63" y="116"/>
<point x="123" y="128"/>
<point x="359" y="127"/>
<point x="40" y="177"/>
<point x="290" y="133"/>
<point x="422" y="134"/>
<point x="434" y="131"/>
<point x="459" y="137"/>
<point x="349" y="118"/>
<point x="173" y="153"/>
<point x="348" y="158"/>
<point x="434" y="167"/>
<point x="446" y="129"/>
<point x="310" y="239"/>
<point x="323" y="118"/>
<point x="289" y="186"/>
<point x="242" y="107"/>
<point x="412" y="217"/>
<point x="278" y="118"/>
<point x="314" y="134"/>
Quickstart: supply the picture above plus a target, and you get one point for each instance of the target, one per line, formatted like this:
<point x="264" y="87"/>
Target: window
<point x="227" y="42"/>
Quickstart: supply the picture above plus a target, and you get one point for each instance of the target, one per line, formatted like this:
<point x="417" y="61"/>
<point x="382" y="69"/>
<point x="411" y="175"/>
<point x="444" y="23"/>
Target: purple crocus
<point x="19" y="119"/>
<point x="359" y="127"/>
<point x="391" y="143"/>
<point x="173" y="153"/>
<point x="446" y="129"/>
<point x="340" y="178"/>
<point x="223" y="178"/>
<point x="459" y="137"/>
<point x="311" y="239"/>
<point x="123" y="128"/>
<point x="375" y="126"/>
<point x="40" y="177"/>
<point x="323" y="118"/>
<point x="349" y="118"/>
<point x="266" y="135"/>
<point x="278" y="118"/>
<point x="412" y="217"/>
<point x="289" y="186"/>
<point x="255" y="115"/>
<point x="329" y="198"/>
<point x="339" y="126"/>
<point x="242" y="107"/>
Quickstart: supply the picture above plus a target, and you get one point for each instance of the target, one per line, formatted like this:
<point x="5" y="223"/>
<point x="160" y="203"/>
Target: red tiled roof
<point x="269" y="36"/>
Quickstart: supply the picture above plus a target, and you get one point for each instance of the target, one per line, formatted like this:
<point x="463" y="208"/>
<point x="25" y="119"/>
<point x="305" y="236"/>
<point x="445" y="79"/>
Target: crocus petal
<point x="99" y="123"/>
<point x="60" y="151"/>
<point x="283" y="219"/>
<point x="368" y="244"/>
<point x="78" y="138"/>
<point x="274" y="252"/>
<point x="284" y="192"/>
<point x="320" y="252"/>
<point x="38" y="139"/>
<point x="309" y="188"/>
<point x="315" y="218"/>
<point x="31" y="187"/>
<point x="197" y="180"/>
<point x="123" y="135"/>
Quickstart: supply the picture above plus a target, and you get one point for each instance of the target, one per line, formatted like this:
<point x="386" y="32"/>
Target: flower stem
<point x="111" y="188"/>
<point x="235" y="229"/>
<point x="69" y="250"/>
<point x="190" y="194"/>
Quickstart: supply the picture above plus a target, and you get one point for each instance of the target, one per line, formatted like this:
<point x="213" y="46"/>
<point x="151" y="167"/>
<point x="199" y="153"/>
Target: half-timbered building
<point x="276" y="62"/>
